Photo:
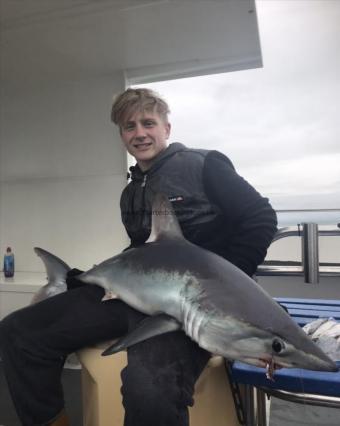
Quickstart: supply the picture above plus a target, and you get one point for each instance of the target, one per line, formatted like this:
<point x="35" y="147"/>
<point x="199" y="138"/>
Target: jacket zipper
<point x="143" y="184"/>
<point x="144" y="181"/>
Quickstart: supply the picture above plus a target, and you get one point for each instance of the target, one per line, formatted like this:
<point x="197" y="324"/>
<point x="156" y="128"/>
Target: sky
<point x="280" y="124"/>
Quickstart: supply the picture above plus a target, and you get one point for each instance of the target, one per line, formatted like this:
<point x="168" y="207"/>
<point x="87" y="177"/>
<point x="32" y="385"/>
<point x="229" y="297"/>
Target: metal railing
<point x="310" y="267"/>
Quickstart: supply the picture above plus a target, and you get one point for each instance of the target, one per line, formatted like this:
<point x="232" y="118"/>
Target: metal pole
<point x="249" y="405"/>
<point x="310" y="252"/>
<point x="261" y="407"/>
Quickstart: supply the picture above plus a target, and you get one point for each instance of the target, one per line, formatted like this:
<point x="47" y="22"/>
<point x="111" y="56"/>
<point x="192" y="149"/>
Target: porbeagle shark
<point x="183" y="286"/>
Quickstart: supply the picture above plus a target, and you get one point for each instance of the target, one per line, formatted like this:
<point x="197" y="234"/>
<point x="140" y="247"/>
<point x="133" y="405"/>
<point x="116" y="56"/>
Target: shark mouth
<point x="271" y="366"/>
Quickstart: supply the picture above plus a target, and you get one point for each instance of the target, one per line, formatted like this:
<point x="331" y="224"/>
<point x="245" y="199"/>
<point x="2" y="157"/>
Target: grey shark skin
<point x="56" y="275"/>
<point x="184" y="286"/>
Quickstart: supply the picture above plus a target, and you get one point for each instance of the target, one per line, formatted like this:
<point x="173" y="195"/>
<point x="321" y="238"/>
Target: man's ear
<point x="168" y="129"/>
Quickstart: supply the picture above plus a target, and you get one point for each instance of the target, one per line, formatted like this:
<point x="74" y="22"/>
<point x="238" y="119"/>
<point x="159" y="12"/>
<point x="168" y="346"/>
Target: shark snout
<point x="325" y="364"/>
<point x="309" y="358"/>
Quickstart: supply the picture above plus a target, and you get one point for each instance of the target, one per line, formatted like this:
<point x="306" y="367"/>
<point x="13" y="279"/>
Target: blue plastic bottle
<point x="9" y="263"/>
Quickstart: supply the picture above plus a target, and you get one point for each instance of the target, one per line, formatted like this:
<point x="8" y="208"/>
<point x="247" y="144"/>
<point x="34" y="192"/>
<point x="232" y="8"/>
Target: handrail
<point x="310" y="267"/>
<point x="294" y="231"/>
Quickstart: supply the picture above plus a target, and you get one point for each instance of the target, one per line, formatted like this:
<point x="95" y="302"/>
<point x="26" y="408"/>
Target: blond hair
<point x="139" y="99"/>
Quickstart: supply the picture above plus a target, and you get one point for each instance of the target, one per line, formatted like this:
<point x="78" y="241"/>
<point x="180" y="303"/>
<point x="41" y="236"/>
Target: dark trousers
<point x="158" y="382"/>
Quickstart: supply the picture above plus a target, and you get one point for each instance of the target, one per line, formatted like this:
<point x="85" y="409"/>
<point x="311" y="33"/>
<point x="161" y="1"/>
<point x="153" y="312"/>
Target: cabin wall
<point x="62" y="169"/>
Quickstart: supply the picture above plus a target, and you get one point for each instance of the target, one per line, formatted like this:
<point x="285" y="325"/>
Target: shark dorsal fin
<point x="164" y="220"/>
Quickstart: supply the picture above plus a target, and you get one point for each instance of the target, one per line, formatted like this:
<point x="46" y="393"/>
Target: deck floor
<point x="72" y="391"/>
<point x="284" y="413"/>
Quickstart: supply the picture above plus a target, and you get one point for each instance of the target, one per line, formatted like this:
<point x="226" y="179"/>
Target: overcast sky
<point x="280" y="125"/>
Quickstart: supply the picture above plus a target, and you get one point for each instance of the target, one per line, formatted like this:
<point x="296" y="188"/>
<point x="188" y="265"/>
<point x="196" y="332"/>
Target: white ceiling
<point x="147" y="39"/>
<point x="15" y="13"/>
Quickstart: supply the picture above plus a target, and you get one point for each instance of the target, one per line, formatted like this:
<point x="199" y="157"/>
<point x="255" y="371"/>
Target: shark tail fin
<point x="164" y="220"/>
<point x="56" y="268"/>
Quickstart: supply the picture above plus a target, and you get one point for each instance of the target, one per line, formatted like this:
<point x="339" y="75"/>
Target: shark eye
<point x="277" y="345"/>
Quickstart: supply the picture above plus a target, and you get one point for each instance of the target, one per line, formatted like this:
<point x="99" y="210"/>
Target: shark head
<point x="245" y="342"/>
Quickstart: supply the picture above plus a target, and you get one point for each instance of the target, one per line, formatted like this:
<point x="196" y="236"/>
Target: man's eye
<point x="149" y="123"/>
<point x="129" y="127"/>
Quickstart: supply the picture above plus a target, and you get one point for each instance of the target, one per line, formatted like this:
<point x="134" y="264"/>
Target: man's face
<point x="145" y="135"/>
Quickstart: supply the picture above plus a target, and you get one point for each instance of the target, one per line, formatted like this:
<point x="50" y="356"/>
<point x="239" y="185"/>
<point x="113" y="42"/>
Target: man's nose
<point x="140" y="132"/>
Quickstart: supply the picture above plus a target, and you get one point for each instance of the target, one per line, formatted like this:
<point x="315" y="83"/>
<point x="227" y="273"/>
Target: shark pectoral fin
<point x="150" y="327"/>
<point x="109" y="295"/>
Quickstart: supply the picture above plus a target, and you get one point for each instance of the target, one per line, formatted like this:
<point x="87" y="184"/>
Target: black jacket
<point x="216" y="208"/>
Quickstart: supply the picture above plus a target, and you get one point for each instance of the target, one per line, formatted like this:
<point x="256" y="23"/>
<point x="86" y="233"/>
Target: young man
<point x="216" y="208"/>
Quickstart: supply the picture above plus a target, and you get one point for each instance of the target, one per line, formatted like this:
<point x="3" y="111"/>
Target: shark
<point x="182" y="286"/>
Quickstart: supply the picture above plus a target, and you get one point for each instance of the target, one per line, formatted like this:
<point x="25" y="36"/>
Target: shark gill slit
<point x="192" y="318"/>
